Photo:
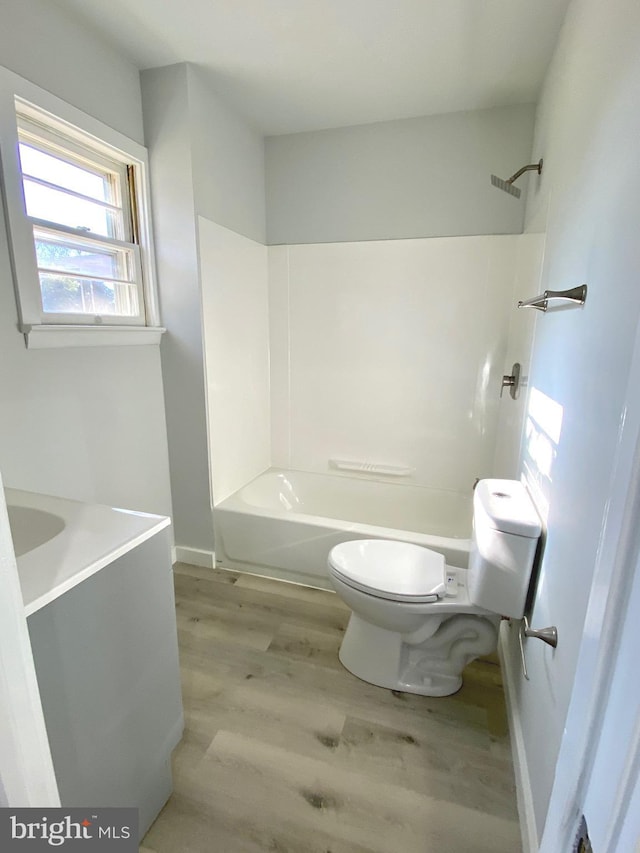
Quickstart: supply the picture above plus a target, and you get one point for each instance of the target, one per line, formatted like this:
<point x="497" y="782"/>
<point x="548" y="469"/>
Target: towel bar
<point x="576" y="295"/>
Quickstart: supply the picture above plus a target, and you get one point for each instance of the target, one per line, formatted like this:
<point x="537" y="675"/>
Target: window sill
<point x="56" y="337"/>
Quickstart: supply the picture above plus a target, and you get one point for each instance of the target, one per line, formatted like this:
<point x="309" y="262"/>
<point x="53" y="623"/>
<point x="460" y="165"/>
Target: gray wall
<point x="49" y="46"/>
<point x="588" y="203"/>
<point x="166" y="119"/>
<point x="421" y="177"/>
<point x="228" y="163"/>
<point x="81" y="423"/>
<point x="204" y="161"/>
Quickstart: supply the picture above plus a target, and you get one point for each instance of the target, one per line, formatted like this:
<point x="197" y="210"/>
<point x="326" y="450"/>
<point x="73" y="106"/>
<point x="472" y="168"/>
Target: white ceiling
<point x="295" y="65"/>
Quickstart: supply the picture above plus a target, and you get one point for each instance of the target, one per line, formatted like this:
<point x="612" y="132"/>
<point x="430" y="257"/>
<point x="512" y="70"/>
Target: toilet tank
<point x="506" y="529"/>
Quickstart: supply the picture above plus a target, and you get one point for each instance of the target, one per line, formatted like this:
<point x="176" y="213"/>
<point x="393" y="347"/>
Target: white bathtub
<point x="59" y="543"/>
<point x="284" y="523"/>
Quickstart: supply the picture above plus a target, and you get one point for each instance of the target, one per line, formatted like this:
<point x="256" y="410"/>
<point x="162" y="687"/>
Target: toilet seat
<point x="396" y="571"/>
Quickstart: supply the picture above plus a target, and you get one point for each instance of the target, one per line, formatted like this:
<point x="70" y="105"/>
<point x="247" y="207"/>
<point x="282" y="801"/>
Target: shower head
<point x="507" y="186"/>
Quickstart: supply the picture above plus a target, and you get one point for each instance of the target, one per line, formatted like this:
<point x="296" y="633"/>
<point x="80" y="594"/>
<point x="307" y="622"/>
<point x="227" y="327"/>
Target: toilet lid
<point x="397" y="571"/>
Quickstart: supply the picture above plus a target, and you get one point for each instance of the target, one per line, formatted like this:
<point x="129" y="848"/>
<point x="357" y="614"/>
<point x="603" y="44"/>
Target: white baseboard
<point x="193" y="556"/>
<point x="524" y="793"/>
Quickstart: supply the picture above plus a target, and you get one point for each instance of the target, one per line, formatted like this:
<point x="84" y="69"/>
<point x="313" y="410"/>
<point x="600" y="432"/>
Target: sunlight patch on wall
<point x="543" y="427"/>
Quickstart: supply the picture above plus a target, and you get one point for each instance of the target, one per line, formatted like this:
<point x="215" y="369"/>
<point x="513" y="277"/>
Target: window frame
<point x="20" y="96"/>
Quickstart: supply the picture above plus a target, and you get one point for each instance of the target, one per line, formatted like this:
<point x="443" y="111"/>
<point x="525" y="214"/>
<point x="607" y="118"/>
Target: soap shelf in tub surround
<point x="371" y="468"/>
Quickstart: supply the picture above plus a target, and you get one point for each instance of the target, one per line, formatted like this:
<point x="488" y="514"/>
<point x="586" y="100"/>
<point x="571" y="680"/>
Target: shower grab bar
<point x="575" y="295"/>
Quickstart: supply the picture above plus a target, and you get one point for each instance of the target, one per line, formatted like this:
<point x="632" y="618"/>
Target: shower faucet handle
<point x="512" y="381"/>
<point x="507" y="382"/>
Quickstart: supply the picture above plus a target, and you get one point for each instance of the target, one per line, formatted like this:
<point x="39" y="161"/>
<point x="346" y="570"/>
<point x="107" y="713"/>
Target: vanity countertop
<point x="60" y="542"/>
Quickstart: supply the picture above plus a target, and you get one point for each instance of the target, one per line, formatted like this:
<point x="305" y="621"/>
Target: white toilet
<point x="416" y="623"/>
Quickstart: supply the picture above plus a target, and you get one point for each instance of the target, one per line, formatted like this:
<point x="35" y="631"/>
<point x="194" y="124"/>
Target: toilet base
<point x="432" y="667"/>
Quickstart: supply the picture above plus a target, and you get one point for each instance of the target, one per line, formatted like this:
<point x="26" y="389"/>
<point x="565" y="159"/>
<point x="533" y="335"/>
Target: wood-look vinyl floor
<point x="286" y="751"/>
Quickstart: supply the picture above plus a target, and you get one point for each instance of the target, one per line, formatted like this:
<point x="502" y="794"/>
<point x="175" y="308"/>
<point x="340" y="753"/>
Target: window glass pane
<point x="78" y="199"/>
<point x="57" y="206"/>
<point x="47" y="167"/>
<point x="64" y="294"/>
<point x="70" y="257"/>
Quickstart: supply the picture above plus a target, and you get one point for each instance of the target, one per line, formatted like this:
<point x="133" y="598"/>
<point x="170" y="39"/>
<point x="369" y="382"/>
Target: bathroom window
<point x="77" y="204"/>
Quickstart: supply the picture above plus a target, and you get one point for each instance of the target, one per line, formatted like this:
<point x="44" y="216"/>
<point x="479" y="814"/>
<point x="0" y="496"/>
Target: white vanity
<point x="98" y="593"/>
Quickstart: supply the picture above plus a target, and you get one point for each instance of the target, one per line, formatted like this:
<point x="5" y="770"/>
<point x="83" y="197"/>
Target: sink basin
<point x="32" y="527"/>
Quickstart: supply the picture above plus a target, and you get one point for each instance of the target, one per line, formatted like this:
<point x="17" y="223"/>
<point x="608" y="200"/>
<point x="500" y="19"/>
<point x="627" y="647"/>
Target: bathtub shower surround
<point x="233" y="271"/>
<point x="286" y="522"/>
<point x="527" y="280"/>
<point x="391" y="352"/>
<point x="388" y="353"/>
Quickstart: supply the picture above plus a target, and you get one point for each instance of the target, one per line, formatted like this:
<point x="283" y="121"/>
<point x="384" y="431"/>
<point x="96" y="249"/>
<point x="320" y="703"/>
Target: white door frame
<point x="616" y="563"/>
<point x="26" y="770"/>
